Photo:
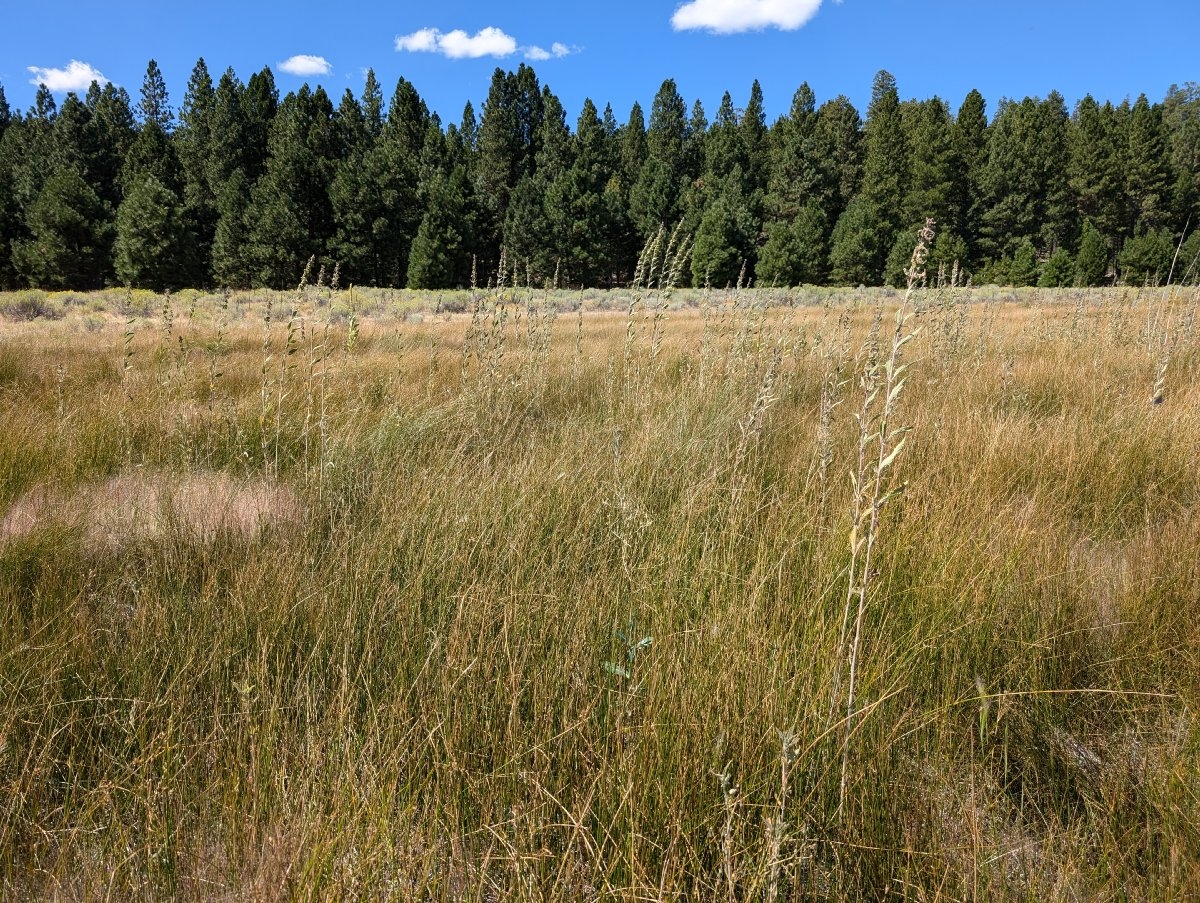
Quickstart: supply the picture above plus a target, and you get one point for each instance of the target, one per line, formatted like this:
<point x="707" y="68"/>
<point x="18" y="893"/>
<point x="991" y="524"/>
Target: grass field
<point x="550" y="596"/>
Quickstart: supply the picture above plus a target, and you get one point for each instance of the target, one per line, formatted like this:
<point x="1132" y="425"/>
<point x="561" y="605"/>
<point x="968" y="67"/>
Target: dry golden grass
<point x="494" y="607"/>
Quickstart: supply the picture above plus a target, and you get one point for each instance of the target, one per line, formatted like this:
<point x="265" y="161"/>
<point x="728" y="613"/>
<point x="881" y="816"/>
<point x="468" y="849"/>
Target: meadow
<point x="517" y="594"/>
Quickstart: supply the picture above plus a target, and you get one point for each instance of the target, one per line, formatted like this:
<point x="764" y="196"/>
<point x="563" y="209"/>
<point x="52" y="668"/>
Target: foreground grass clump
<point x="304" y="600"/>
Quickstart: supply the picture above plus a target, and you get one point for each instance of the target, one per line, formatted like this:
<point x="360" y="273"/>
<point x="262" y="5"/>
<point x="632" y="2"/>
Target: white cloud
<point x="457" y="44"/>
<point x="305" y="64"/>
<point x="732" y="16"/>
<point x="423" y="41"/>
<point x="76" y="76"/>
<point x="556" y="52"/>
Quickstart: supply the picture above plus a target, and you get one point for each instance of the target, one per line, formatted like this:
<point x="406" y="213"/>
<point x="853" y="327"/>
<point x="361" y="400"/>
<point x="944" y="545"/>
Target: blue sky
<point x="619" y="51"/>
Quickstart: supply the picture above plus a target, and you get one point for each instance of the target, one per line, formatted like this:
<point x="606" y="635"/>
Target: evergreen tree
<point x="155" y="104"/>
<point x="9" y="212"/>
<point x="695" y="141"/>
<point x="971" y="140"/>
<point x="631" y="152"/>
<point x="798" y="175"/>
<point x="229" y="139"/>
<point x="151" y="238"/>
<point x="512" y="117"/>
<point x="69" y="236"/>
<point x="113" y="131"/>
<point x="291" y="214"/>
<point x="895" y="270"/>
<point x="152" y="153"/>
<point x="654" y="200"/>
<point x="1097" y="173"/>
<point x="1023" y="269"/>
<point x="794" y="253"/>
<point x="259" y="107"/>
<point x="1091" y="264"/>
<point x="935" y="185"/>
<point x="1059" y="270"/>
<point x="577" y="210"/>
<point x="1147" y="169"/>
<point x="1146" y="258"/>
<point x="531" y="242"/>
<point x="720" y="247"/>
<point x="886" y="166"/>
<point x="725" y="149"/>
<point x="753" y="125"/>
<point x="194" y="143"/>
<point x="440" y="256"/>
<point x="372" y="105"/>
<point x="838" y="143"/>
<point x="232" y="263"/>
<point x="1025" y="179"/>
<point x="1181" y="119"/>
<point x="857" y="244"/>
<point x="193" y="138"/>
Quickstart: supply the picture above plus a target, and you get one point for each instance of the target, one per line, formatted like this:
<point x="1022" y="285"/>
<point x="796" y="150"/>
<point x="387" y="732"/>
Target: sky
<point x="616" y="51"/>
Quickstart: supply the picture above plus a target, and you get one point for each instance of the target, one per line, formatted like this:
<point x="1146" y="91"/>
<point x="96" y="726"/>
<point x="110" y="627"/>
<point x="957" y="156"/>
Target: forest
<point x="240" y="188"/>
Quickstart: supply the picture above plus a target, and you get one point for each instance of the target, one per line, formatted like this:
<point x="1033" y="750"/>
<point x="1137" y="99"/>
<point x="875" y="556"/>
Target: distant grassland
<point x="533" y="595"/>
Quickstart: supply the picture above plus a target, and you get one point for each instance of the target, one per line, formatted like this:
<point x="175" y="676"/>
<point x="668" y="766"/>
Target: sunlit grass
<point x="394" y="600"/>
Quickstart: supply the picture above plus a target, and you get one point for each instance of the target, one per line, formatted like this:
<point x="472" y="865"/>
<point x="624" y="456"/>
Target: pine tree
<point x="838" y="142"/>
<point x="1181" y="119"/>
<point x="229" y="140"/>
<point x="372" y="105"/>
<point x="291" y="214"/>
<point x="794" y="252"/>
<point x="654" y="200"/>
<point x="194" y="143"/>
<point x="1147" y="169"/>
<point x="719" y="249"/>
<point x="232" y="265"/>
<point x="113" y="131"/>
<point x="576" y="208"/>
<point x="798" y="175"/>
<point x="69" y="236"/>
<point x="258" y="107"/>
<point x="1146" y="257"/>
<point x="439" y="256"/>
<point x="936" y="170"/>
<point x="971" y="137"/>
<point x="1091" y="263"/>
<point x="1025" y="179"/>
<point x="1097" y="169"/>
<point x="857" y="244"/>
<point x="753" y="125"/>
<point x="512" y="117"/>
<point x="155" y="104"/>
<point x="151" y="238"/>
<point x="887" y="164"/>
<point x="9" y="211"/>
<point x="1058" y="271"/>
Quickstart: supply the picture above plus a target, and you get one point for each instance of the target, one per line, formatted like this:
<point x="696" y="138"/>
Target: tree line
<point x="240" y="188"/>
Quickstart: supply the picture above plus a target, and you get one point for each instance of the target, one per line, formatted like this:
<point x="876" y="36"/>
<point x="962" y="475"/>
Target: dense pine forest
<point x="240" y="188"/>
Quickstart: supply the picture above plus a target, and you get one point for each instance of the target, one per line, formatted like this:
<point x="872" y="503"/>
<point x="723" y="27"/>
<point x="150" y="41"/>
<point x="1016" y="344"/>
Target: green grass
<point x="480" y="608"/>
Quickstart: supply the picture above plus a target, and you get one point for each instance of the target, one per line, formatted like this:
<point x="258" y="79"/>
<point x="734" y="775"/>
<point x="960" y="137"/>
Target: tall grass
<point x="501" y="604"/>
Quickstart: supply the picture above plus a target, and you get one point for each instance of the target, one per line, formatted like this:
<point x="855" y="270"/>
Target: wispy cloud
<point x="75" y="76"/>
<point x="556" y="52"/>
<point x="457" y="44"/>
<point x="733" y="16"/>
<point x="306" y="64"/>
